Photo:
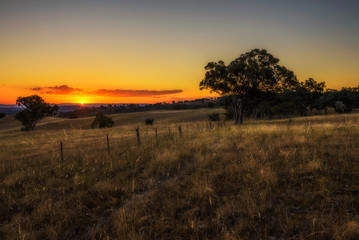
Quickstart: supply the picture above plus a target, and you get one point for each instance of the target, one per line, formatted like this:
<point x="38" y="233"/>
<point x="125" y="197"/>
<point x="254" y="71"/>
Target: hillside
<point x="9" y="125"/>
<point x="279" y="179"/>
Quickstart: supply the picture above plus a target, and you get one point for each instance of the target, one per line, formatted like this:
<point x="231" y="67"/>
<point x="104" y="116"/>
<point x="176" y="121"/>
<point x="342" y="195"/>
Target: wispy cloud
<point x="135" y="93"/>
<point x="57" y="90"/>
<point x="115" y="93"/>
<point x="36" y="89"/>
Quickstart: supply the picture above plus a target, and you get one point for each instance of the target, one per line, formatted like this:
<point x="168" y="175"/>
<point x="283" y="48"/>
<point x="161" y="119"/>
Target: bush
<point x="214" y="117"/>
<point x="101" y="121"/>
<point x="2" y="115"/>
<point x="149" y="121"/>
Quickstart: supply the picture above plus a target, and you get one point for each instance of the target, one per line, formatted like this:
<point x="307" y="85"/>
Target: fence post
<point x="156" y="133"/>
<point x="108" y="144"/>
<point x="210" y="125"/>
<point x="169" y="130"/>
<point x="62" y="152"/>
<point x="180" y="130"/>
<point x="138" y="136"/>
<point x="187" y="128"/>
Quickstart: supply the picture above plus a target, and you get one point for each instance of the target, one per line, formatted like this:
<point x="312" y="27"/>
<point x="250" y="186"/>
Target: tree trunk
<point x="238" y="111"/>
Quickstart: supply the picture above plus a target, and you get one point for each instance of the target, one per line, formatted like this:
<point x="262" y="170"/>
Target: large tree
<point x="248" y="80"/>
<point x="35" y="110"/>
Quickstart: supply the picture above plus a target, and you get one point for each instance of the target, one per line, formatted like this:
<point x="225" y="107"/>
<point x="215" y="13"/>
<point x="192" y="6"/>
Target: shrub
<point x="149" y="121"/>
<point x="214" y="117"/>
<point x="101" y="121"/>
<point x="2" y="115"/>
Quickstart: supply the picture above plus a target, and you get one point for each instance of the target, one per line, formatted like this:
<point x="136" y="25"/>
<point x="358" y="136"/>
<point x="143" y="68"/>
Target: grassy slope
<point x="10" y="125"/>
<point x="286" y="179"/>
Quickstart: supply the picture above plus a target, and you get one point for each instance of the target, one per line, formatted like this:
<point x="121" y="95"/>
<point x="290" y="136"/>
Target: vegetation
<point x="102" y="121"/>
<point x="82" y="111"/>
<point x="2" y="115"/>
<point x="289" y="179"/>
<point x="255" y="85"/>
<point x="149" y="121"/>
<point x="248" y="80"/>
<point x="35" y="110"/>
<point x="214" y="117"/>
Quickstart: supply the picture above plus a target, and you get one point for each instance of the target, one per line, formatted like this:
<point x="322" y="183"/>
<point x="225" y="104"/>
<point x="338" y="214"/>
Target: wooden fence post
<point x="156" y="132"/>
<point x="138" y="136"/>
<point x="210" y="125"/>
<point x="187" y="128"/>
<point x="180" y="130"/>
<point x="169" y="130"/>
<point x="62" y="152"/>
<point x="108" y="144"/>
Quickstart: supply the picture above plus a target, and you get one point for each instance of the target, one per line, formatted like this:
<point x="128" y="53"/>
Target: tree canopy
<point x="35" y="110"/>
<point x="248" y="80"/>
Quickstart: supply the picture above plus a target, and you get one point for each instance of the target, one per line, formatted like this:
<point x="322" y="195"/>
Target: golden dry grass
<point x="280" y="179"/>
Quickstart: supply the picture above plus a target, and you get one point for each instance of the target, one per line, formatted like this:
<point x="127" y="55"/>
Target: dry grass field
<point x="280" y="179"/>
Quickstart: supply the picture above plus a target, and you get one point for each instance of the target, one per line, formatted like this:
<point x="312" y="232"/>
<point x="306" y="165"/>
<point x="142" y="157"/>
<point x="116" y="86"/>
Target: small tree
<point x="214" y="117"/>
<point x="101" y="121"/>
<point x="35" y="110"/>
<point x="149" y="121"/>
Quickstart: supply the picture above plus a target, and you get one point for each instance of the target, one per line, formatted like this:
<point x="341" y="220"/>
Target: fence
<point x="152" y="134"/>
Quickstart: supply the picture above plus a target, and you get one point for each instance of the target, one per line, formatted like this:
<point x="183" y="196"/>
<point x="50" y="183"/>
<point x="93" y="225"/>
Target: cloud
<point x="134" y="93"/>
<point x="57" y="90"/>
<point x="36" y="89"/>
<point x="65" y="90"/>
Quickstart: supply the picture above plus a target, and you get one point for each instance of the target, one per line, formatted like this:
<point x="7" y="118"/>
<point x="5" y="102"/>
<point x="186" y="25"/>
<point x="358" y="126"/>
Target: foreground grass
<point x="284" y="179"/>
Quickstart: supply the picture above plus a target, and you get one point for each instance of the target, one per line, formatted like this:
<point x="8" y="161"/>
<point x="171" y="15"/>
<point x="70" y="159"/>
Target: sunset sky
<point x="146" y="51"/>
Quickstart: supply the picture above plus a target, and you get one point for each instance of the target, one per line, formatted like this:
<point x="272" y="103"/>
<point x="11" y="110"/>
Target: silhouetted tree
<point x="308" y="94"/>
<point x="341" y="100"/>
<point x="248" y="80"/>
<point x="101" y="121"/>
<point x="35" y="110"/>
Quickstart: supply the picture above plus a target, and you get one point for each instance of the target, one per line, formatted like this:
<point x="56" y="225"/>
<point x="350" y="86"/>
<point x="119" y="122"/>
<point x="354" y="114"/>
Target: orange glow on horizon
<point x="10" y="94"/>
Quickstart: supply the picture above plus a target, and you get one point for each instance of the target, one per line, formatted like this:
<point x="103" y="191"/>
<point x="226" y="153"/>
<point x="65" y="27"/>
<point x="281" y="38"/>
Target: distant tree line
<point x="112" y="108"/>
<point x="255" y="85"/>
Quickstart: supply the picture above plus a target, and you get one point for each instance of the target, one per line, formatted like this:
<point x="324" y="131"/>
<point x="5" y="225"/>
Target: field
<point x="293" y="178"/>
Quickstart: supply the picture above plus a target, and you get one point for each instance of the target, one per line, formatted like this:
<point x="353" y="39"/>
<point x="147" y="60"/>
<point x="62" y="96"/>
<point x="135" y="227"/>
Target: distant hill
<point x="10" y="109"/>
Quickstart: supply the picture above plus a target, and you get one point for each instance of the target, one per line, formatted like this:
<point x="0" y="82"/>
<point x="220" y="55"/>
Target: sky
<point x="143" y="51"/>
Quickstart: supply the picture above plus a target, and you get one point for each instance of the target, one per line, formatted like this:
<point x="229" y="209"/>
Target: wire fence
<point x="61" y="148"/>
